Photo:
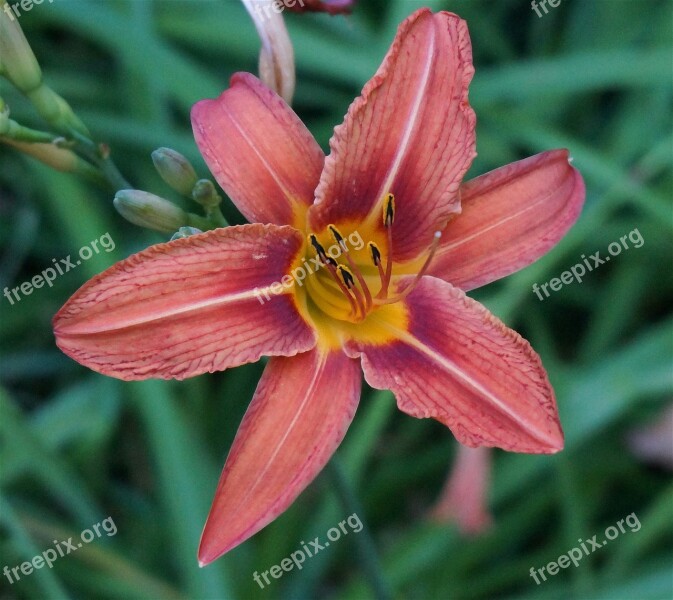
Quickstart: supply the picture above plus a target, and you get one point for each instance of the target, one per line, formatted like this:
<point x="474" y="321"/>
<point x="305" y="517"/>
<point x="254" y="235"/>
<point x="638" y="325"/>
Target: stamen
<point x="375" y="252"/>
<point x="389" y="210"/>
<point x="347" y="276"/>
<point x="424" y="268"/>
<point x="320" y="251"/>
<point x="332" y="266"/>
<point x="376" y="259"/>
<point x="349" y="282"/>
<point x="336" y="234"/>
<point x="388" y="218"/>
<point x="354" y="268"/>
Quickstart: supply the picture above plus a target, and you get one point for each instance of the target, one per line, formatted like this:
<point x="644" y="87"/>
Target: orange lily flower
<point x="380" y="290"/>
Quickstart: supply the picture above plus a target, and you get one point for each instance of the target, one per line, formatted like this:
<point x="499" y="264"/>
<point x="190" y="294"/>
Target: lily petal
<point x="511" y="217"/>
<point x="410" y="133"/>
<point x="259" y="151"/>
<point x="297" y="419"/>
<point x="191" y="306"/>
<point x="472" y="373"/>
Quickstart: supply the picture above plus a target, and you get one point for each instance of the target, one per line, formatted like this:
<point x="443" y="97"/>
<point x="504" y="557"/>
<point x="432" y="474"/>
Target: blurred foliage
<point x="591" y="75"/>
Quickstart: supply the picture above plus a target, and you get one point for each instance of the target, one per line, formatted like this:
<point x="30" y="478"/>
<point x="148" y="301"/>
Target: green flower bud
<point x="205" y="194"/>
<point x="150" y="211"/>
<point x="17" y="61"/>
<point x="175" y="170"/>
<point x="53" y="156"/>
<point x="56" y="111"/>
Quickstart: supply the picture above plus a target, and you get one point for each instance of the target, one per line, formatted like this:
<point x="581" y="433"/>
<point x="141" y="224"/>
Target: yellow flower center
<point x="346" y="292"/>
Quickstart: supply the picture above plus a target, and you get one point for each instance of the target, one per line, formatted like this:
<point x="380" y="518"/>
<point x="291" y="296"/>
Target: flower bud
<point x="175" y="170"/>
<point x="150" y="211"/>
<point x="17" y="61"/>
<point x="56" y="111"/>
<point x="57" y="158"/>
<point x="205" y="194"/>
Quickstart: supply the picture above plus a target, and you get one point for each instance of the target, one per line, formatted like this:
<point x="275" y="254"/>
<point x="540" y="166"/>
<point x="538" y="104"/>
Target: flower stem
<point x="364" y="542"/>
<point x="101" y="159"/>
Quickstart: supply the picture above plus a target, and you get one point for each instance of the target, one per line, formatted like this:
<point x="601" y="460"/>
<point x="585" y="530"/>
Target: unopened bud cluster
<point x="154" y="212"/>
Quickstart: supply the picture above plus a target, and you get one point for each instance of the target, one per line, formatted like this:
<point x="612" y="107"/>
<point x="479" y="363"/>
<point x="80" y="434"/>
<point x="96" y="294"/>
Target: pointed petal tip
<point x="511" y="217"/>
<point x="291" y="429"/>
<point x="187" y="307"/>
<point x="549" y="442"/>
<point x="207" y="553"/>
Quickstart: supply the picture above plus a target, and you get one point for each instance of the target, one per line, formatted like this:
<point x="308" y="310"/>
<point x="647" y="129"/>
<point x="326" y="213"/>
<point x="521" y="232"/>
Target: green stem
<point x="216" y="217"/>
<point x="93" y="152"/>
<point x="199" y="222"/>
<point x="366" y="547"/>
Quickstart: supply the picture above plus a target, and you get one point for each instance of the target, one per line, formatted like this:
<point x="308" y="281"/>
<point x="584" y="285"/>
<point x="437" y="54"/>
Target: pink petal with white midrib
<point x="259" y="151"/>
<point x="299" y="415"/>
<point x="511" y="217"/>
<point x="458" y="364"/>
<point x="410" y="133"/>
<point x="188" y="307"/>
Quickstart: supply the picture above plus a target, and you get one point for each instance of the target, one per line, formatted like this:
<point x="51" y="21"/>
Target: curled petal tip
<point x="276" y="57"/>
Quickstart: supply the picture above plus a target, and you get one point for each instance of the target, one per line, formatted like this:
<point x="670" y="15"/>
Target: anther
<point x="318" y="248"/>
<point x="388" y="218"/>
<point x="332" y="266"/>
<point x="389" y="210"/>
<point x="375" y="253"/>
<point x="354" y="268"/>
<point x="349" y="282"/>
<point x="347" y="276"/>
<point x="336" y="234"/>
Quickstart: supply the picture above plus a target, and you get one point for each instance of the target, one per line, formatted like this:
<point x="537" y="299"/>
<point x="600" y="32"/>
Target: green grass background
<point x="594" y="76"/>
